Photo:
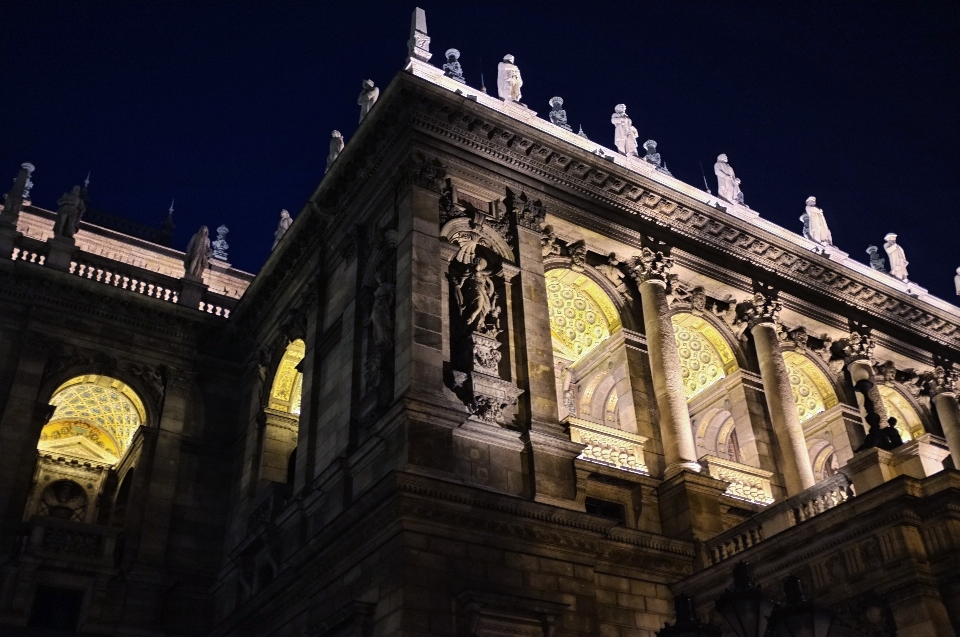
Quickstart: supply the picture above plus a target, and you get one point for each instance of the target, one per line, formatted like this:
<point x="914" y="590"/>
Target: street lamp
<point x="687" y="624"/>
<point x="744" y="608"/>
<point x="800" y="617"/>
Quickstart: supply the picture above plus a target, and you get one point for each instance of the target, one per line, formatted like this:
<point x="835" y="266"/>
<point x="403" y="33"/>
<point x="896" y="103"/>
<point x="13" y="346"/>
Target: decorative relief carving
<point x="858" y="346"/>
<point x="608" y="446"/>
<point x="650" y="266"/>
<point x="746" y="482"/>
<point x="527" y="213"/>
<point x="761" y="308"/>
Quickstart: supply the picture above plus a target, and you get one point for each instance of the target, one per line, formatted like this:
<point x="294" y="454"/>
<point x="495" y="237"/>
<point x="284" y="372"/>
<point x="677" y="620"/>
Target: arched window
<point x="283" y="417"/>
<point x="705" y="356"/>
<point x="908" y="420"/>
<point x="581" y="314"/>
<point x="812" y="390"/>
<point x="94" y="422"/>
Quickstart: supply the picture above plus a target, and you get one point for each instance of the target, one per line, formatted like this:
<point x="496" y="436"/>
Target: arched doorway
<point x="282" y="415"/>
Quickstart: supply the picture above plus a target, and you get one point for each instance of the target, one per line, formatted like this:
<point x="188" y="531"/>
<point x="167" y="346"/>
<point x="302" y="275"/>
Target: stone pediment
<point x="77" y="448"/>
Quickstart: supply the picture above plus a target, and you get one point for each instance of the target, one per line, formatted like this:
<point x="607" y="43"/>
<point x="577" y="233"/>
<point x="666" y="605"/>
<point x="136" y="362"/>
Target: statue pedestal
<point x="690" y="507"/>
<point x="920" y="458"/>
<point x="191" y="291"/>
<point x="60" y="253"/>
<point x="8" y="238"/>
<point x="489" y="395"/>
<point x="870" y="468"/>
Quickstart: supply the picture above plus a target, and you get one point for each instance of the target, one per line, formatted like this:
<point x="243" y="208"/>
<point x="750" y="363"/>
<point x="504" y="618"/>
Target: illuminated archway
<point x="95" y="419"/>
<point x="705" y="356"/>
<point x="811" y="388"/>
<point x="581" y="315"/>
<point x="908" y="420"/>
<point x="288" y="381"/>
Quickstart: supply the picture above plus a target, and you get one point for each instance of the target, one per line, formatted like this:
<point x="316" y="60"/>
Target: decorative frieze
<point x="608" y="446"/>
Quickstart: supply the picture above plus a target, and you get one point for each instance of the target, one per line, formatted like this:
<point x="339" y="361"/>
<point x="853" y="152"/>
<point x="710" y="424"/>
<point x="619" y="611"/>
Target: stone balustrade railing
<point x="217" y="304"/>
<point x="779" y="517"/>
<point x="125" y="277"/>
<point x="746" y="483"/>
<point x="30" y="250"/>
<point x="67" y="540"/>
<point x="608" y="446"/>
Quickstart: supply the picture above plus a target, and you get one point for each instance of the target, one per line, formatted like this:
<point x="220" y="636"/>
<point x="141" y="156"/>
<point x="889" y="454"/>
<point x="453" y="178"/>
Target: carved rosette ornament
<point x="650" y="266"/>
<point x="527" y="213"/>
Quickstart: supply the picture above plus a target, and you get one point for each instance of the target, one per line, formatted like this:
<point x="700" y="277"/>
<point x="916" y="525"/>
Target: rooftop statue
<point x="336" y="145"/>
<point x="877" y="262"/>
<point x="653" y="157"/>
<point x="282" y="228"/>
<point x="898" y="260"/>
<point x="956" y="281"/>
<point x="452" y="68"/>
<point x="558" y="116"/>
<point x="220" y="245"/>
<point x="368" y="97"/>
<point x="815" y="224"/>
<point x="508" y="80"/>
<point x="69" y="214"/>
<point x="625" y="135"/>
<point x="198" y="254"/>
<point x="728" y="186"/>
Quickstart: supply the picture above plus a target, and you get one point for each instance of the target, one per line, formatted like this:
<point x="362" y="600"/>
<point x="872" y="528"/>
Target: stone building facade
<point x="495" y="379"/>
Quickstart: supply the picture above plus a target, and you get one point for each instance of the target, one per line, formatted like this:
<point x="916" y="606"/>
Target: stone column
<point x="679" y="450"/>
<point x="761" y="314"/>
<point x="858" y="354"/>
<point x="943" y="387"/>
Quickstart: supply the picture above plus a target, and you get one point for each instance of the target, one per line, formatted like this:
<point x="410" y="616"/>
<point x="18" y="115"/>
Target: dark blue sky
<point x="228" y="106"/>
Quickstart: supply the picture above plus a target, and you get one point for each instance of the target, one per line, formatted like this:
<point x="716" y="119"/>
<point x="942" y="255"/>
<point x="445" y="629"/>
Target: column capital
<point x="762" y="307"/>
<point x="942" y="380"/>
<point x="858" y="347"/>
<point x="650" y="266"/>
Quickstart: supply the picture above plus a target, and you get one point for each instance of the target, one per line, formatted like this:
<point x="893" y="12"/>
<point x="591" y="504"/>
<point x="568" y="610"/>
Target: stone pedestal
<point x="690" y="507"/>
<point x="60" y="253"/>
<point x="920" y="458"/>
<point x="191" y="291"/>
<point x="870" y="468"/>
<point x="489" y="395"/>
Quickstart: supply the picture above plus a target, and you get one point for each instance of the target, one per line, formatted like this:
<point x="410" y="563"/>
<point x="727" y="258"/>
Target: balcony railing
<point x="608" y="446"/>
<point x="125" y="277"/>
<point x="746" y="482"/>
<point x="779" y="517"/>
<point x="52" y="538"/>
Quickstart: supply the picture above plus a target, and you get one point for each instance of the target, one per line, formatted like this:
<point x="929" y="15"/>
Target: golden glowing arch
<point x="95" y="417"/>
<point x="705" y="356"/>
<point x="811" y="388"/>
<point x="288" y="381"/>
<point x="581" y="314"/>
<point x="908" y="420"/>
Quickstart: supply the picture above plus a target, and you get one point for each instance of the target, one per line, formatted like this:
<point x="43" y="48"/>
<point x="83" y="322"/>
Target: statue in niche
<point x="728" y="186"/>
<point x="625" y="135"/>
<point x="548" y="243"/>
<point x="381" y="315"/>
<point x="611" y="270"/>
<point x="282" y="227"/>
<point x="368" y="97"/>
<point x="898" y="260"/>
<point x="477" y="298"/>
<point x="452" y="68"/>
<point x="815" y="224"/>
<point x="336" y="145"/>
<point x="468" y="242"/>
<point x="508" y="80"/>
<point x="877" y="262"/>
<point x="198" y="254"/>
<point x="69" y="213"/>
<point x="558" y="116"/>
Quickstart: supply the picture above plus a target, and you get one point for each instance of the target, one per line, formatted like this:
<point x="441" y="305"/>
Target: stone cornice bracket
<point x="527" y="213"/>
<point x="650" y="266"/>
<point x="763" y="307"/>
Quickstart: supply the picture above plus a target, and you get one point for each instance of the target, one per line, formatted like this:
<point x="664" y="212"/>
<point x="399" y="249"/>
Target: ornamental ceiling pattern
<point x="908" y="421"/>
<point x="581" y="315"/>
<point x="287" y="383"/>
<point x="705" y="357"/>
<point x="810" y="386"/>
<point x="106" y="415"/>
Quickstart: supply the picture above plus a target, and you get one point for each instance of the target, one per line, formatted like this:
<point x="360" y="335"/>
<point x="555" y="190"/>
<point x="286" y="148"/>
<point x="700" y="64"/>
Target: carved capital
<point x="940" y="381"/>
<point x="650" y="266"/>
<point x="858" y="347"/>
<point x="761" y="308"/>
<point x="527" y="213"/>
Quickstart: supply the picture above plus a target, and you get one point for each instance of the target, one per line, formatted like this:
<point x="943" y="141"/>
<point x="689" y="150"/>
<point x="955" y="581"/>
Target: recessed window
<point x="607" y="509"/>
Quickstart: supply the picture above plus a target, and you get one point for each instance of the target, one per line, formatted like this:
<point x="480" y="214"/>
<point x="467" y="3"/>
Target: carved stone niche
<point x="477" y="305"/>
<point x="482" y="614"/>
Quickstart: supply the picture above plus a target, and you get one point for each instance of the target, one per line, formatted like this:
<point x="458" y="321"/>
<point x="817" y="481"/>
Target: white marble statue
<point x="956" y="281"/>
<point x="625" y="135"/>
<point x="815" y="224"/>
<point x="368" y="97"/>
<point x="898" y="260"/>
<point x="508" y="80"/>
<point x="477" y="297"/>
<point x="282" y="228"/>
<point x="336" y="145"/>
<point x="728" y="185"/>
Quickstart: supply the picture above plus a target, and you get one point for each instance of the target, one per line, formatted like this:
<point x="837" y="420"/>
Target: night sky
<point x="228" y="106"/>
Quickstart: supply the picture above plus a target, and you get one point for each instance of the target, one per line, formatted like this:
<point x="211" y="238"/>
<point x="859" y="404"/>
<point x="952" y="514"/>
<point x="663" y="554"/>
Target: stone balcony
<point x="608" y="446"/>
<point x="746" y="483"/>
<point x="53" y="539"/>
